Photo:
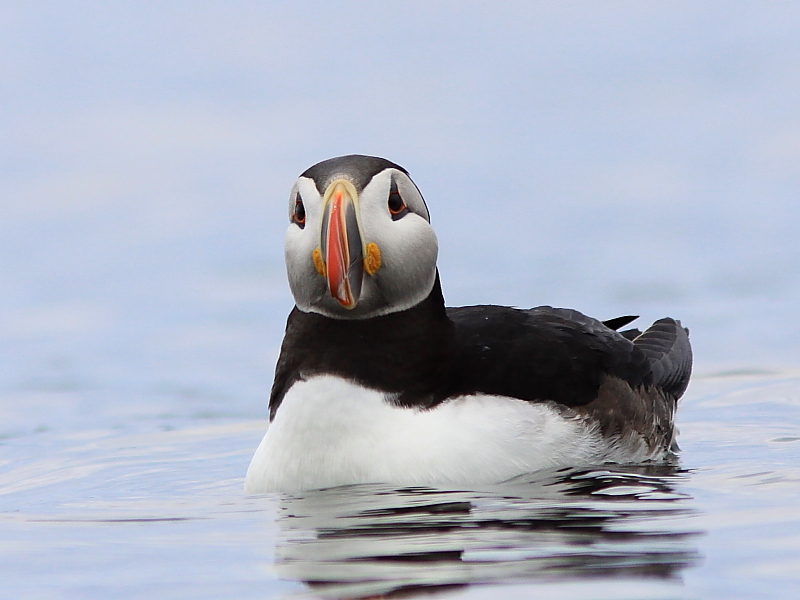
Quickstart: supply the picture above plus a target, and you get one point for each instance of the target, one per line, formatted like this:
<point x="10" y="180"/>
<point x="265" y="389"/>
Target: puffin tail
<point x="666" y="345"/>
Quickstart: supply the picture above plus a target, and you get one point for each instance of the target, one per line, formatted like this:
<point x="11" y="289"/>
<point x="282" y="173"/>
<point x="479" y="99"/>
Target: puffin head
<point x="359" y="242"/>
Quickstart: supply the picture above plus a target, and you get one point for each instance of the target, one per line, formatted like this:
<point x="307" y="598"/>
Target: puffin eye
<point x="299" y="215"/>
<point x="397" y="208"/>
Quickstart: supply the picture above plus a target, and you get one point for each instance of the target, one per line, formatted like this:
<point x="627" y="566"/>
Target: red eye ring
<point x="299" y="214"/>
<point x="396" y="204"/>
<point x="397" y="207"/>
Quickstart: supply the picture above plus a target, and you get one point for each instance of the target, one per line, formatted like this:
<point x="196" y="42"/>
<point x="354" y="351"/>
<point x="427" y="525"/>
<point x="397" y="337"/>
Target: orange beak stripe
<point x="338" y="251"/>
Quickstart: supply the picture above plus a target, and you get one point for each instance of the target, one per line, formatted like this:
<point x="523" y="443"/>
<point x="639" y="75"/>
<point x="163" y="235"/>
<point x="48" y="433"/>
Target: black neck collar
<point x="404" y="353"/>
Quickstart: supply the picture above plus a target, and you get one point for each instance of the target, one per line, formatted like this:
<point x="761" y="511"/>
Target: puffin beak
<point x="341" y="243"/>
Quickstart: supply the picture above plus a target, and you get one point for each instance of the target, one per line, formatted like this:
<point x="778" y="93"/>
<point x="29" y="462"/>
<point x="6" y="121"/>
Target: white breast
<point x="330" y="432"/>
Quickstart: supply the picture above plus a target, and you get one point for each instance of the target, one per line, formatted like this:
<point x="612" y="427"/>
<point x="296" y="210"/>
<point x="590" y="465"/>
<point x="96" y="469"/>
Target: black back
<point x="427" y="354"/>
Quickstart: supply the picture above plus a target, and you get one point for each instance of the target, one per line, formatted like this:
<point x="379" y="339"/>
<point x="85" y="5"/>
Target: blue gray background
<point x="616" y="157"/>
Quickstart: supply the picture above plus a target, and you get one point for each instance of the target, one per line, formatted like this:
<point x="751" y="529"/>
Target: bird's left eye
<point x="397" y="207"/>
<point x="299" y="214"/>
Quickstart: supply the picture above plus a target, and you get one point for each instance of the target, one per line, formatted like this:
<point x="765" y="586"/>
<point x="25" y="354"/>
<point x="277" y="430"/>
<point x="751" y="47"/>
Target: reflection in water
<point x="364" y="540"/>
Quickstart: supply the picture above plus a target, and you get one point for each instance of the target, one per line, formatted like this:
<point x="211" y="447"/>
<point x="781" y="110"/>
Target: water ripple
<point x="359" y="541"/>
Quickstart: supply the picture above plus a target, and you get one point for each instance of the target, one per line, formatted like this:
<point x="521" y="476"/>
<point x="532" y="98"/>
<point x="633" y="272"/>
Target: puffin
<point x="379" y="382"/>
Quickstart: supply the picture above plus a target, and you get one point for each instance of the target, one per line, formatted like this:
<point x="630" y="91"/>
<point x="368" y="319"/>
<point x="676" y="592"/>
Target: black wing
<point x="615" y="324"/>
<point x="557" y="354"/>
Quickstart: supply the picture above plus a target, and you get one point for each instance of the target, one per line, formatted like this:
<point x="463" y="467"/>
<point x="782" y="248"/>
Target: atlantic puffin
<point x="378" y="381"/>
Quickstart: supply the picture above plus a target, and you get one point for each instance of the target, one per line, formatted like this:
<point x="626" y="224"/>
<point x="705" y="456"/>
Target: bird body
<point x="378" y="382"/>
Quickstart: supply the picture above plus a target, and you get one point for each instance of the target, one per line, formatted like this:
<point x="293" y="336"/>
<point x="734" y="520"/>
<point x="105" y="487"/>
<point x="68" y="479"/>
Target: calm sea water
<point x="104" y="513"/>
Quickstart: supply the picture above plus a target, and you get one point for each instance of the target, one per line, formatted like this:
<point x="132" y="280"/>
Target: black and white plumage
<point x="378" y="382"/>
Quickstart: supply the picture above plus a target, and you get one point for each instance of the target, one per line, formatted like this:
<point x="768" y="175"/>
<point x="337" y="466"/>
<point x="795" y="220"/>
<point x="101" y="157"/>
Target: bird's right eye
<point x="299" y="214"/>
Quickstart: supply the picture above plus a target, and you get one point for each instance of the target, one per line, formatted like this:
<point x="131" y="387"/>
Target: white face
<point x="406" y="247"/>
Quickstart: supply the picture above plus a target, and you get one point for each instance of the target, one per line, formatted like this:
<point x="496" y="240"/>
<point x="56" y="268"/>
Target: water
<point x="101" y="514"/>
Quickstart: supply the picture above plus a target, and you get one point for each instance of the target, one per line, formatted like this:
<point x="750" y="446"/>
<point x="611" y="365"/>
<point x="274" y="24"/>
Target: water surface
<point x="99" y="513"/>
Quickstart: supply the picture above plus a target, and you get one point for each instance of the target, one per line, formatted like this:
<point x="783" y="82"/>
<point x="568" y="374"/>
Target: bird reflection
<point x="374" y="540"/>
